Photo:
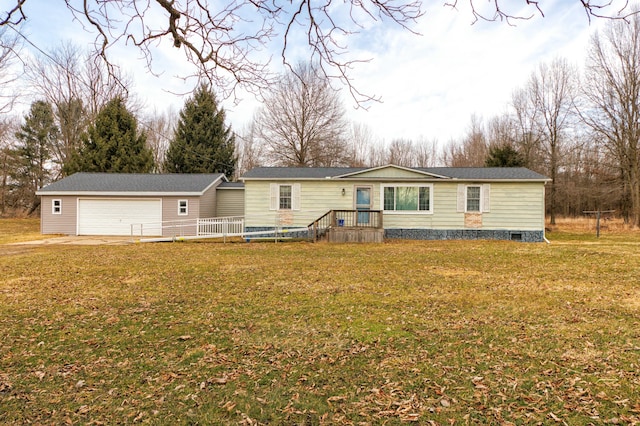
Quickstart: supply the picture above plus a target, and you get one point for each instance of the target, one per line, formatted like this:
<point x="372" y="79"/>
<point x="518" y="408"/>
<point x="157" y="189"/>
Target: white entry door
<point x="104" y="216"/>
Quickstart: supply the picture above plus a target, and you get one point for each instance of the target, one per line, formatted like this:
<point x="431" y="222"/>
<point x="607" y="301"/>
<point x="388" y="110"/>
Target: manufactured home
<point x="399" y="202"/>
<point x="335" y="203"/>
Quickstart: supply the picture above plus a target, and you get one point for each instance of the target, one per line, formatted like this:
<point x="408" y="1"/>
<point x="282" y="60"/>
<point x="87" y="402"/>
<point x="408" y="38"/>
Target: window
<point x="407" y="198"/>
<point x="56" y="206"/>
<point x="473" y="198"/>
<point x="183" y="207"/>
<point x="284" y="198"/>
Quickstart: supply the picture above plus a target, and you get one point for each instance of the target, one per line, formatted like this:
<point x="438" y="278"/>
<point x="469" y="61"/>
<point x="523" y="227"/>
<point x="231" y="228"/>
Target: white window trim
<point x="404" y="185"/>
<point x="186" y="205"/>
<point x="485" y="198"/>
<point x="274" y="190"/>
<point x="59" y="206"/>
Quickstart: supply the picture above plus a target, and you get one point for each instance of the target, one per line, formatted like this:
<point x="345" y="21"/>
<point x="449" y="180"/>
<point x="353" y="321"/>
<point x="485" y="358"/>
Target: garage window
<point x="183" y="207"/>
<point x="56" y="206"/>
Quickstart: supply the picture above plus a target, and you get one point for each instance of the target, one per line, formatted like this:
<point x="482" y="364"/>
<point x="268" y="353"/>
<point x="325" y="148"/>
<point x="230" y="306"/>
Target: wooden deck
<point x="349" y="226"/>
<point x="355" y="235"/>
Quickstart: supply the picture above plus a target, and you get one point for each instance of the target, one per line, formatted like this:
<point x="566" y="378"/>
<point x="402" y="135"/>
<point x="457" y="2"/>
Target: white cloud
<point x="430" y="85"/>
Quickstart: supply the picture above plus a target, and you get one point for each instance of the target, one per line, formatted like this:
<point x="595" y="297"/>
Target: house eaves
<point x="392" y="166"/>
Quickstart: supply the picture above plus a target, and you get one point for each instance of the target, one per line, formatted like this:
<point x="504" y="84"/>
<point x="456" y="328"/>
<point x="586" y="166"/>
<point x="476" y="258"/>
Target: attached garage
<point x="112" y="216"/>
<point x="110" y="203"/>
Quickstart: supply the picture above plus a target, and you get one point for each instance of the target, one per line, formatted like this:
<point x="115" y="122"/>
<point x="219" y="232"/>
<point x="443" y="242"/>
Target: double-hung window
<point x="56" y="206"/>
<point x="183" y="207"/>
<point x="284" y="197"/>
<point x="473" y="198"/>
<point x="407" y="198"/>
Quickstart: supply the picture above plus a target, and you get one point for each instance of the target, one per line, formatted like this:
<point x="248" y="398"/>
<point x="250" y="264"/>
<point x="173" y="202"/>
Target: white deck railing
<point x="215" y="226"/>
<point x="220" y="226"/>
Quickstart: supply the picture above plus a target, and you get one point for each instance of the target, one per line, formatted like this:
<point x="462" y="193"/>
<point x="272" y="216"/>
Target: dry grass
<point x="20" y="230"/>
<point x="587" y="225"/>
<point x="443" y="332"/>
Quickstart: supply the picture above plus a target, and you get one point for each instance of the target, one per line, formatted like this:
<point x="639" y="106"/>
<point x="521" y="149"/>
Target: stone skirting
<point x="464" y="234"/>
<point x="425" y="234"/>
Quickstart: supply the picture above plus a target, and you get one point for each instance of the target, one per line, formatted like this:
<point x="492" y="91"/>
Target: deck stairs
<point x="348" y="226"/>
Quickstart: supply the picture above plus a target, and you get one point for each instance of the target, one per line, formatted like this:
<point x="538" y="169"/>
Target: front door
<point x="363" y="202"/>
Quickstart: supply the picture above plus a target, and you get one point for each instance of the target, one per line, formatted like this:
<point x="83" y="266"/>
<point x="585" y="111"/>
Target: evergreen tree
<point x="201" y="142"/>
<point x="113" y="143"/>
<point x="36" y="137"/>
<point x="504" y="156"/>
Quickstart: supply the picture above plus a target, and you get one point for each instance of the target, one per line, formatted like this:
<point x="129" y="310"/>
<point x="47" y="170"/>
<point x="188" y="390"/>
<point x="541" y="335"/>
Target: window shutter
<point x="295" y="196"/>
<point x="461" y="198"/>
<point x="486" y="197"/>
<point x="274" y="196"/>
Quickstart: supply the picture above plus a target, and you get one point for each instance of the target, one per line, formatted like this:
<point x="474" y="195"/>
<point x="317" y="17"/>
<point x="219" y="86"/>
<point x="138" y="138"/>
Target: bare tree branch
<point x="229" y="42"/>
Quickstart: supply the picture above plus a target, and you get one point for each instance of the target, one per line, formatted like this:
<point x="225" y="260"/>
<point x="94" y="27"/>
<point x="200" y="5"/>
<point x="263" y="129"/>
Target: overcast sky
<point x="430" y="84"/>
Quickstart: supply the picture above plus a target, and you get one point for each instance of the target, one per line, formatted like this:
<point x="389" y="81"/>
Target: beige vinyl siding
<point x="208" y="203"/>
<point x="316" y="198"/>
<point x="514" y="206"/>
<point x="170" y="208"/>
<point x="230" y="202"/>
<point x="171" y="219"/>
<point x="64" y="223"/>
<point x="517" y="206"/>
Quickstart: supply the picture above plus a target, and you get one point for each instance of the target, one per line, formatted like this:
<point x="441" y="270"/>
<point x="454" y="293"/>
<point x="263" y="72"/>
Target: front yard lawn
<point x="444" y="332"/>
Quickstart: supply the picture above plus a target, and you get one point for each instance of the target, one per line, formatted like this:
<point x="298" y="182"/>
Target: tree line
<point x="85" y="119"/>
<point x="579" y="127"/>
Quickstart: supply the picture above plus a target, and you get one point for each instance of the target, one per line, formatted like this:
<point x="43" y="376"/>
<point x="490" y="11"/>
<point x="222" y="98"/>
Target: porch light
<point x="343" y="192"/>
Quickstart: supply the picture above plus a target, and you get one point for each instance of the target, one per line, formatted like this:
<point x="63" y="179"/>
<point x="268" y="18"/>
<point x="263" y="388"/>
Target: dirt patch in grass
<point x="480" y="332"/>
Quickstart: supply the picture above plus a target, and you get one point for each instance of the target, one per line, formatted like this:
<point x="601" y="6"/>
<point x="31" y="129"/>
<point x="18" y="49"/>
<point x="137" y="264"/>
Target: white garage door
<point x="115" y="216"/>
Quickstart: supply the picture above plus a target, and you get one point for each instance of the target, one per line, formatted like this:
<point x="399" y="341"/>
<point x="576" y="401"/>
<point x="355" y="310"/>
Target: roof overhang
<point x="391" y="166"/>
<point x="119" y="194"/>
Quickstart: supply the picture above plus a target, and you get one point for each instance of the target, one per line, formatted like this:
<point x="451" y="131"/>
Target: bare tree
<point x="553" y="90"/>
<point x="400" y="152"/>
<point x="409" y="153"/>
<point x="8" y="162"/>
<point x="472" y="150"/>
<point x="77" y="87"/>
<point x="302" y="122"/>
<point x="159" y="129"/>
<point x="425" y="152"/>
<point x="250" y="150"/>
<point x="527" y="138"/>
<point x="9" y="47"/>
<point x="494" y="10"/>
<point x="361" y="141"/>
<point x="613" y="92"/>
<point x="501" y="131"/>
<point x="225" y="41"/>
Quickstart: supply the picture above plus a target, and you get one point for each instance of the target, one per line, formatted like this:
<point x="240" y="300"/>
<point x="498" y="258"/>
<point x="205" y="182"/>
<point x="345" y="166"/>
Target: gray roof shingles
<point x="462" y="173"/>
<point x="133" y="182"/>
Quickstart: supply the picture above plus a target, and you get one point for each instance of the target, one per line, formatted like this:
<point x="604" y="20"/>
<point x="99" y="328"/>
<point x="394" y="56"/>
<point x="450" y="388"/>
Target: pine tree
<point x="37" y="136"/>
<point x="113" y="143"/>
<point x="201" y="142"/>
<point x="504" y="156"/>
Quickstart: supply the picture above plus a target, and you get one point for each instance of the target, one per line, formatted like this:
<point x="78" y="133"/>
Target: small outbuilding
<point x="111" y="203"/>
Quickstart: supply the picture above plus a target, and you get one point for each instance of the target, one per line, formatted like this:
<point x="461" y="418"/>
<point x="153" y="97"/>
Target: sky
<point x="429" y="84"/>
